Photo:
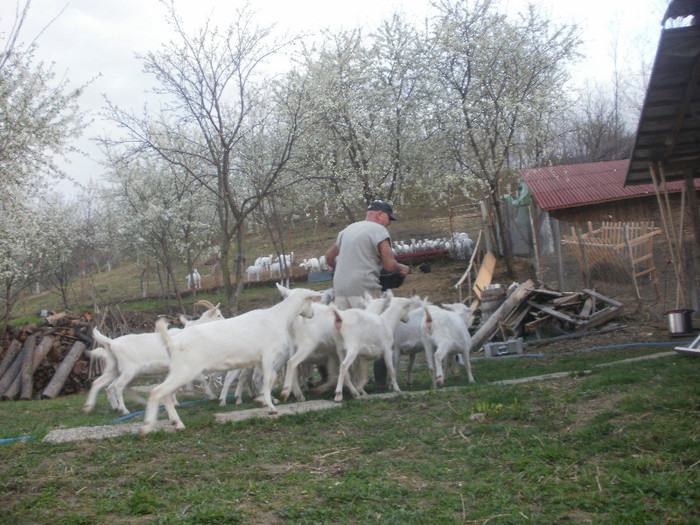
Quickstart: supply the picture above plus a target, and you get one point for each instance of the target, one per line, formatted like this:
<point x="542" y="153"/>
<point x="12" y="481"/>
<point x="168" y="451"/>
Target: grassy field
<point x="616" y="445"/>
<point x="604" y="444"/>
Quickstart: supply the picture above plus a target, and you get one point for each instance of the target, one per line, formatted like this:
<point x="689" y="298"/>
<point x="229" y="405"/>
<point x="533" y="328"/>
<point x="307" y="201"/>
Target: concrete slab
<point x="65" y="435"/>
<point x="282" y="410"/>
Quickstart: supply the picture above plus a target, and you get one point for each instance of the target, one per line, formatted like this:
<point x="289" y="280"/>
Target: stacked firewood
<point x="47" y="360"/>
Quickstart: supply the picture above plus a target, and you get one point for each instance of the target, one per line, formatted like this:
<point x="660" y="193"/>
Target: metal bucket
<point x="680" y="322"/>
<point x="492" y="297"/>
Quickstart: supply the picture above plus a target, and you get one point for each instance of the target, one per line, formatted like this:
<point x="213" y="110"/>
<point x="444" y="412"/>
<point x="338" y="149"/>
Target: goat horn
<point x="204" y="302"/>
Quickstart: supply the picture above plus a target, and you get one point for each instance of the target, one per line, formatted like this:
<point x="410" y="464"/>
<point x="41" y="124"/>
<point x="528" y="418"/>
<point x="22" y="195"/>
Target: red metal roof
<point x="556" y="187"/>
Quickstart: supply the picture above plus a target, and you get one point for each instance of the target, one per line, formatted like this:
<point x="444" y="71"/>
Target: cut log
<point x="489" y="328"/>
<point x="27" y="371"/>
<point x="41" y="350"/>
<point x="13" y="390"/>
<point x="9" y="356"/>
<point x="63" y="371"/>
<point x="8" y="378"/>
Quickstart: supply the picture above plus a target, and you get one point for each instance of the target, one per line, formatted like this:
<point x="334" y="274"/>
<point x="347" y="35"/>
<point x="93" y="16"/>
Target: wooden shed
<point x="595" y="192"/>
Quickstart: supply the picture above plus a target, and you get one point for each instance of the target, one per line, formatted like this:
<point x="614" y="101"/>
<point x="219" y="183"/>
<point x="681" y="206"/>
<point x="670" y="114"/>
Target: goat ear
<point x="283" y="291"/>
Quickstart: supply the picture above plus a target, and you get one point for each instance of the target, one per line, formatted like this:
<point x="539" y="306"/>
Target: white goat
<point x="322" y="263"/>
<point x="314" y="330"/>
<point x="367" y="336"/>
<point x="255" y="338"/>
<point x="134" y="355"/>
<point x="275" y="271"/>
<point x="315" y="343"/>
<point x="194" y="280"/>
<point x="445" y="332"/>
<point x="254" y="271"/>
<point x="408" y="340"/>
<point x="310" y="265"/>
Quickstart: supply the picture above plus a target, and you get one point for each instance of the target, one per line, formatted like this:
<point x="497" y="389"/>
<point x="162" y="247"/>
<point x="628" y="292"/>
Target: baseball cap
<point x="382" y="206"/>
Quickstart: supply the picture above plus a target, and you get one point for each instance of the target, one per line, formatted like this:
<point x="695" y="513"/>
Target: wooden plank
<point x="569" y="299"/>
<point x="587" y="307"/>
<point x="601" y="317"/>
<point x="602" y="297"/>
<point x="554" y="313"/>
<point x="483" y="278"/>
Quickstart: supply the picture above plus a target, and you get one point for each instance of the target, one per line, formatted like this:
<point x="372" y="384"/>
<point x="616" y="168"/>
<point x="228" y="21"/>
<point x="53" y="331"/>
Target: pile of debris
<point x="527" y="309"/>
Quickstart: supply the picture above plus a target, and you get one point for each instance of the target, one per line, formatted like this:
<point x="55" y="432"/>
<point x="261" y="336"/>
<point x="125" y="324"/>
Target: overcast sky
<point x="97" y="40"/>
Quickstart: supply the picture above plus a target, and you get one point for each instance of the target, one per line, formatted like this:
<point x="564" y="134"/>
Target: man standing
<point x="359" y="253"/>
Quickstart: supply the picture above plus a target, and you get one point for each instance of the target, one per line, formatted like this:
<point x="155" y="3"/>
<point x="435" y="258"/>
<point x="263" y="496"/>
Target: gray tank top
<point x="359" y="263"/>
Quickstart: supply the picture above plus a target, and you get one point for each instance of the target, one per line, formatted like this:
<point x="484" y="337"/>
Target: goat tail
<point x="100" y="359"/>
<point x="427" y="319"/>
<point x="162" y="329"/>
<point x="337" y="319"/>
<point x="101" y="338"/>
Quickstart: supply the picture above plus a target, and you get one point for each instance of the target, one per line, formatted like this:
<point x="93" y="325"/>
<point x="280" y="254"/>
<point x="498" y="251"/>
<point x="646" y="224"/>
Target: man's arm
<point x="388" y="260"/>
<point x="331" y="255"/>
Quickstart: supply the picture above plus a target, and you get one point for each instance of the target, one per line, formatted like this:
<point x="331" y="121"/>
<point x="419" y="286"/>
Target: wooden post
<point x="632" y="268"/>
<point x="586" y="271"/>
<point x="534" y="242"/>
<point x="63" y="371"/>
<point x="672" y="249"/>
<point x="556" y="232"/>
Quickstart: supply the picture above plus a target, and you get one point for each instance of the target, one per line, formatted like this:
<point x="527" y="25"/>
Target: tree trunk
<point x="505" y="234"/>
<point x="63" y="371"/>
<point x="239" y="266"/>
<point x="226" y="276"/>
<point x="27" y="371"/>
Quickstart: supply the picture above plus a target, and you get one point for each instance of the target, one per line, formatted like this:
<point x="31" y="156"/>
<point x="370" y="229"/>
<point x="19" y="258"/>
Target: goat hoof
<point x="338" y="398"/>
<point x="86" y="409"/>
<point x="284" y="396"/>
<point x="179" y="426"/>
<point x="124" y="412"/>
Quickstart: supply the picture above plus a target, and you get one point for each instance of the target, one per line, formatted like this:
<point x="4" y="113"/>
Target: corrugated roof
<point x="669" y="130"/>
<point x="555" y="187"/>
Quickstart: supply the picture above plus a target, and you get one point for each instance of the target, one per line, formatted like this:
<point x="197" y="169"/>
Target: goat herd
<point x="304" y="330"/>
<point x="460" y="246"/>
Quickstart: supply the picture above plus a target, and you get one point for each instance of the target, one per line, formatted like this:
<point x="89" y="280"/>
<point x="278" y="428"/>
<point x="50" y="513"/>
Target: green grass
<point x="618" y="445"/>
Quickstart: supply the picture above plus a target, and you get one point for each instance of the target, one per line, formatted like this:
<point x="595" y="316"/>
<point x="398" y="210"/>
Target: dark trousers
<point x="380" y="372"/>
